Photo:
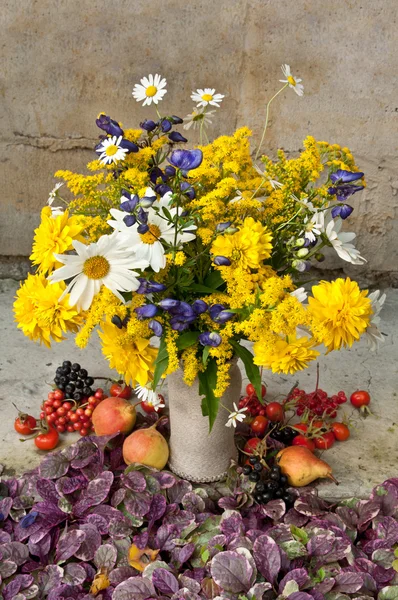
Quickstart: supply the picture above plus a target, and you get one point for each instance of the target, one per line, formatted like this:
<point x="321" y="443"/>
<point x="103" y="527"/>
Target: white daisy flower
<point x="314" y="226"/>
<point x="293" y="82"/>
<point x="197" y="117"/>
<point x="300" y="294"/>
<point x="341" y="243"/>
<point x="148" y="246"/>
<point x="150" y="396"/>
<point x="207" y="96"/>
<point x="55" y="210"/>
<point x="373" y="335"/>
<point x="110" y="150"/>
<point x="107" y="262"/>
<point x="236" y="416"/>
<point x="150" y="90"/>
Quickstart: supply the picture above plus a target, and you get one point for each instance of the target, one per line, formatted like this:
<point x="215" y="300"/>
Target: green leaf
<point x="187" y="339"/>
<point x="205" y="556"/>
<point x="202" y="289"/>
<point x="214" y="280"/>
<point x="299" y="534"/>
<point x="205" y="354"/>
<point x="161" y="363"/>
<point x="252" y="370"/>
<point x="207" y="384"/>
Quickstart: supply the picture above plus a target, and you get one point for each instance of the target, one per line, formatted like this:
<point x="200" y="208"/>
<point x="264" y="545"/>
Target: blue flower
<point x="175" y="136"/>
<point x="147" y="201"/>
<point x="169" y="303"/>
<point x="148" y="125"/>
<point x="342" y="176"/>
<point x="186" y="159"/>
<point x="109" y="125"/>
<point x="147" y="287"/>
<point x="129" y="220"/>
<point x="176" y="120"/>
<point x="142" y="216"/>
<point x="143" y="228"/>
<point x="162" y="189"/>
<point x="156" y="327"/>
<point x="166" y="125"/>
<point x="344" y="191"/>
<point x="130" y="204"/>
<point x="147" y="311"/>
<point x="129" y="146"/>
<point x="219" y="314"/>
<point x="221" y="261"/>
<point x="187" y="189"/>
<point x="210" y="338"/>
<point x="223" y="226"/>
<point x="1" y="516"/>
<point x="29" y="519"/>
<point x="342" y="210"/>
<point x="156" y="173"/>
<point x="199" y="306"/>
<point x="180" y="323"/>
<point x="169" y="171"/>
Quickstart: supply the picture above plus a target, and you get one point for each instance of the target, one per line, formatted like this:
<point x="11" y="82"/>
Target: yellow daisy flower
<point x="343" y="311"/>
<point x="132" y="357"/>
<point x="248" y="247"/>
<point x="39" y="312"/>
<point x="54" y="235"/>
<point x="286" y="355"/>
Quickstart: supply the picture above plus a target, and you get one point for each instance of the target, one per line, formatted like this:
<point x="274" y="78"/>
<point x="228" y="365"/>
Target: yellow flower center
<point x="151" y="91"/>
<point x="96" y="267"/>
<point x="236" y="254"/>
<point x="291" y="80"/>
<point x="207" y="97"/>
<point x="151" y="236"/>
<point x="111" y="150"/>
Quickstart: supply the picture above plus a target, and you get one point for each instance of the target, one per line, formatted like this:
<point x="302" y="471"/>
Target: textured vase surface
<point x="196" y="454"/>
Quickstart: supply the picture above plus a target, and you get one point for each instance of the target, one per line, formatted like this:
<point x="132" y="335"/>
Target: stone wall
<point x="64" y="61"/>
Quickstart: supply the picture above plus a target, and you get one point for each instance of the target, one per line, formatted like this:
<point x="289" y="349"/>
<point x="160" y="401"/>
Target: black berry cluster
<point x="74" y="381"/>
<point x="283" y="434"/>
<point x="270" y="484"/>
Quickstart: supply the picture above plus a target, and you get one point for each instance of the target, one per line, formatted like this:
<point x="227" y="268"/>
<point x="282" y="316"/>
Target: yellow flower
<point x="54" y="235"/>
<point x="40" y="314"/>
<point x="342" y="309"/>
<point x="100" y="582"/>
<point x="248" y="247"/>
<point x="285" y="356"/>
<point x="132" y="357"/>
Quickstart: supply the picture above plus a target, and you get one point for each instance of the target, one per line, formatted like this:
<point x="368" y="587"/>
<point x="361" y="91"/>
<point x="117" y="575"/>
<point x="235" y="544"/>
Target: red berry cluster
<point x="251" y="401"/>
<point x="69" y="416"/>
<point x="317" y="403"/>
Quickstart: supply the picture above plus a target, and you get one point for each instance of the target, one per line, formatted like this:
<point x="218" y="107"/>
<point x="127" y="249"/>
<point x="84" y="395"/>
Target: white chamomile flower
<point x="313" y="226"/>
<point x="150" y="90"/>
<point x="293" y="82"/>
<point x="148" y="246"/>
<point x="55" y="210"/>
<point x="197" y="117"/>
<point x="110" y="150"/>
<point x="300" y="294"/>
<point x="373" y="335"/>
<point x="107" y="262"/>
<point x="147" y="394"/>
<point x="207" y="96"/>
<point x="236" y="416"/>
<point x="341" y="242"/>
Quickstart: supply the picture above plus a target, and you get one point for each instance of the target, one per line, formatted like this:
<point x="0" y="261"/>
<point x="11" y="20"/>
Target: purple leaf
<point x="310" y="505"/>
<point x="134" y="480"/>
<point x="5" y="507"/>
<point x="231" y="571"/>
<point x="134" y="588"/>
<point x="69" y="544"/>
<point x="267" y="556"/>
<point x="120" y="574"/>
<point x="300" y="576"/>
<point x="274" y="509"/>
<point x="95" y="493"/>
<point x="164" y="581"/>
<point x="231" y="524"/>
<point x="74" y="574"/>
<point x="319" y="545"/>
<point x="68" y="485"/>
<point x="185" y="553"/>
<point x="86" y="452"/>
<point x="90" y="544"/>
<point x="46" y="489"/>
<point x="7" y="568"/>
<point x="54" y="466"/>
<point x="193" y="503"/>
<point x="157" y="508"/>
<point x="178" y="491"/>
<point x="367" y="511"/>
<point x="165" y="536"/>
<point x="99" y="522"/>
<point x="348" y="583"/>
<point x="118" y="497"/>
<point x="137" y="503"/>
<point x="300" y="596"/>
<point x="105" y="557"/>
<point x="165" y="480"/>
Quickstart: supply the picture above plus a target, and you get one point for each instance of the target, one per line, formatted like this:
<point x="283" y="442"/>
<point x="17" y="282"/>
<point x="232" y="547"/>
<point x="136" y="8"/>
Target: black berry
<point x="83" y="373"/>
<point x="266" y="497"/>
<point x="274" y="476"/>
<point x="254" y="476"/>
<point x="260" y="486"/>
<point x="67" y="363"/>
<point x="253" y="460"/>
<point x="70" y="388"/>
<point x="258" y="467"/>
<point x="79" y="383"/>
<point x="77" y="396"/>
<point x="283" y="480"/>
<point x="272" y="486"/>
<point x="247" y="469"/>
<point x="87" y="391"/>
<point x="89" y="381"/>
<point x="73" y="376"/>
<point x="279" y="493"/>
<point x="75" y="367"/>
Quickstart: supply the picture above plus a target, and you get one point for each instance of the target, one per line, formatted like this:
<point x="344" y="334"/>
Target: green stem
<point x="267" y="117"/>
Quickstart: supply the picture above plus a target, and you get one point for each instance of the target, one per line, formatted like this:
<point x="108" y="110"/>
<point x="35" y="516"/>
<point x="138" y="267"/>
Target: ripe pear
<point x="301" y="466"/>
<point x="147" y="447"/>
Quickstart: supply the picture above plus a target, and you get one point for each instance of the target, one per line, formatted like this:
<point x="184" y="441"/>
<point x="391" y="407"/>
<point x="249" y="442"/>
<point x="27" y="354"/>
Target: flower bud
<point x="176" y="120"/>
<point x="302" y="253"/>
<point x="143" y="228"/>
<point x="129" y="220"/>
<point x="169" y="303"/>
<point x="116" y="320"/>
<point x="146" y="202"/>
<point x="231" y="230"/>
<point x="146" y="311"/>
<point x="300" y="242"/>
<point x="156" y="327"/>
<point x="148" y="125"/>
<point x="208" y="338"/>
<point x="221" y="261"/>
<point x="199" y="306"/>
<point x="223" y="226"/>
<point x="175" y="136"/>
<point x="319" y="257"/>
<point x="165" y="125"/>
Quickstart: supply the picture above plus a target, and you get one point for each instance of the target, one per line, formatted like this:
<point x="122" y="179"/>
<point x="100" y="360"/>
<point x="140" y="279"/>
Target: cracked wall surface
<point x="64" y="62"/>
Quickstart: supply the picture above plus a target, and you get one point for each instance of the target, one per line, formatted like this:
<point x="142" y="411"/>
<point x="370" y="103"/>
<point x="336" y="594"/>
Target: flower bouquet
<point x="202" y="249"/>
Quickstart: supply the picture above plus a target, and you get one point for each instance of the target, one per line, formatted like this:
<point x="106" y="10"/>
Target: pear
<point x="147" y="447"/>
<point x="301" y="466"/>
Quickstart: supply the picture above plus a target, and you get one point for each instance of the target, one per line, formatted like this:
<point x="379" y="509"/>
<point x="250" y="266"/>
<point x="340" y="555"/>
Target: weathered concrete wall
<point x="63" y="61"/>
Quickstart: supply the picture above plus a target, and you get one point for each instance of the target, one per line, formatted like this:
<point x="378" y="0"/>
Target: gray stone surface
<point x="64" y="62"/>
<point x="367" y="458"/>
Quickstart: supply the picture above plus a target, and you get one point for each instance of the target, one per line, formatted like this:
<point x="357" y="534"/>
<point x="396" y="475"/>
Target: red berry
<point x="70" y="428"/>
<point x="59" y="395"/>
<point x="74" y="418"/>
<point x="50" y="395"/>
<point x="67" y="405"/>
<point x="42" y="414"/>
<point x="60" y="428"/>
<point x="49" y="410"/>
<point x="80" y="411"/>
<point x="62" y="420"/>
<point x="61" y="411"/>
<point x="83" y="431"/>
<point x="301" y="440"/>
<point x="77" y="426"/>
<point x="88" y="412"/>
<point x="275" y="412"/>
<point x="99" y="393"/>
<point x="251" y="445"/>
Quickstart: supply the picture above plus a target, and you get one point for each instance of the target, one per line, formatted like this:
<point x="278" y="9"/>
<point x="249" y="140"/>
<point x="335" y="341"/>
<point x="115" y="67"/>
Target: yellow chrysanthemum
<point x="39" y="312"/>
<point x="286" y="355"/>
<point x="342" y="309"/>
<point x="132" y="357"/>
<point x="54" y="235"/>
<point x="248" y="247"/>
